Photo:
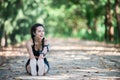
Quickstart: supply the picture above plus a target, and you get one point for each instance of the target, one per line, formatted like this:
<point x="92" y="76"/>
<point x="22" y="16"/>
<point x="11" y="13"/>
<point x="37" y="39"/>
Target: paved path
<point x="70" y="59"/>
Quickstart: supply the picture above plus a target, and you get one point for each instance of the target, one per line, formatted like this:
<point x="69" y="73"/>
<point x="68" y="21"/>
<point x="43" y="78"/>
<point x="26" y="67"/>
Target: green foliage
<point x="62" y="18"/>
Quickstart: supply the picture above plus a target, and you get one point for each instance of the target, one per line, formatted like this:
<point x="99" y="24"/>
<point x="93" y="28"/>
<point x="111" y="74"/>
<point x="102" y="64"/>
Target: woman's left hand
<point x="41" y="56"/>
<point x="44" y="50"/>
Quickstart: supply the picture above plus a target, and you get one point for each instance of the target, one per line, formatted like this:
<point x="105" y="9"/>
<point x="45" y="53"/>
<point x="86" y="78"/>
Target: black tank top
<point x="37" y="53"/>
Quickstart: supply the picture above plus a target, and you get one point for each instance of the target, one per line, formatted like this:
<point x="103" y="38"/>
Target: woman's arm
<point x="45" y="49"/>
<point x="29" y="49"/>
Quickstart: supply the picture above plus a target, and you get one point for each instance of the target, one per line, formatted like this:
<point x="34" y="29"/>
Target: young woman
<point x="37" y="48"/>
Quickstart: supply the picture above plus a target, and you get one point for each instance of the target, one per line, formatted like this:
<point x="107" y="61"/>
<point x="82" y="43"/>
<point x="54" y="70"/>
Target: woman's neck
<point x="38" y="44"/>
<point x="38" y="39"/>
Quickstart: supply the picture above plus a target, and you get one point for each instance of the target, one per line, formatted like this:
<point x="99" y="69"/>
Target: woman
<point x="37" y="48"/>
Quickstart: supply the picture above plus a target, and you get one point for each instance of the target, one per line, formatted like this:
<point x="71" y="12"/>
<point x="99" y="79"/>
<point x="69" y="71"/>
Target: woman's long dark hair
<point x="33" y="31"/>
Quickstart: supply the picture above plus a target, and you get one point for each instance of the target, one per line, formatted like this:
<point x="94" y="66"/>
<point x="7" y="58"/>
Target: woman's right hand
<point x="32" y="57"/>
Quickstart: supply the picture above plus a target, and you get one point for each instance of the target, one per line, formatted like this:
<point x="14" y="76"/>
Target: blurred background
<point x="85" y="33"/>
<point x="85" y="19"/>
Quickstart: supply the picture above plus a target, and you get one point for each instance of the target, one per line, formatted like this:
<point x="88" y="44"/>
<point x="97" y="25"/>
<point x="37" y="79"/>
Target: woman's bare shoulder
<point x="29" y="42"/>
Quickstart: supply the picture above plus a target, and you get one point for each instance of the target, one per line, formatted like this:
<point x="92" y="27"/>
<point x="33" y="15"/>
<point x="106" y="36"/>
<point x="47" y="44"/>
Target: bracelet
<point x="45" y="45"/>
<point x="43" y="54"/>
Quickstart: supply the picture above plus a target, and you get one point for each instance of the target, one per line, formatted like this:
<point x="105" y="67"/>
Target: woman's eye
<point x="39" y="31"/>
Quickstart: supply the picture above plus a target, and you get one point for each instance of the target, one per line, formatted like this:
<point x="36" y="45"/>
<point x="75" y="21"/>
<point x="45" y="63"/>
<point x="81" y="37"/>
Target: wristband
<point x="47" y="47"/>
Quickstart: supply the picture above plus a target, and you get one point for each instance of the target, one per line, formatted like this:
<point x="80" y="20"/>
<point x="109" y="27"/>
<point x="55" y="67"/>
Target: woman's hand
<point x="41" y="56"/>
<point x="32" y="57"/>
<point x="44" y="50"/>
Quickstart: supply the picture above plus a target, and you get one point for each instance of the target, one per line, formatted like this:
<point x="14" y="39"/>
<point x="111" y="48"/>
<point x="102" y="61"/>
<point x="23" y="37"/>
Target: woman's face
<point x="40" y="32"/>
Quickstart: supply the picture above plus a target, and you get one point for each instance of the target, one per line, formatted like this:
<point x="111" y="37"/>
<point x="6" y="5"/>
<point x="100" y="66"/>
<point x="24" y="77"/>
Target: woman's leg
<point x="33" y="64"/>
<point x="27" y="66"/>
<point x="41" y="67"/>
<point x="28" y="69"/>
<point x="47" y="67"/>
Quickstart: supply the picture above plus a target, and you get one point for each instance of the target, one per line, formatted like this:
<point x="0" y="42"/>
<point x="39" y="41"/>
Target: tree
<point x="8" y="12"/>
<point x="117" y="4"/>
<point x="109" y="29"/>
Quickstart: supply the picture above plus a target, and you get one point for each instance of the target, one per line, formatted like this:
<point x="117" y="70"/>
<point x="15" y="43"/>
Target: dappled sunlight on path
<point x="70" y="59"/>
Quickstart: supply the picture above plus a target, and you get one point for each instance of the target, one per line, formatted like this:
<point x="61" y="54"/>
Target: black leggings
<point x="45" y="60"/>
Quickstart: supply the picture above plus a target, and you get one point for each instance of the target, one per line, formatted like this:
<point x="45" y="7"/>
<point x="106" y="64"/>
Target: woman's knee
<point x="40" y="62"/>
<point x="32" y="61"/>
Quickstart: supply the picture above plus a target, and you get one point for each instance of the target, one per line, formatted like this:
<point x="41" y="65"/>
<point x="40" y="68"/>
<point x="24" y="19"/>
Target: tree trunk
<point x="117" y="3"/>
<point x="6" y="37"/>
<point x="1" y="34"/>
<point x="109" y="30"/>
<point x="94" y="25"/>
